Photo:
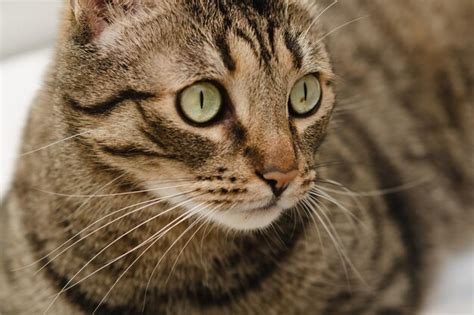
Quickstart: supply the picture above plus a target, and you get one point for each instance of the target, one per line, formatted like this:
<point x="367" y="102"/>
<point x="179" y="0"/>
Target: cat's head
<point x="218" y="105"/>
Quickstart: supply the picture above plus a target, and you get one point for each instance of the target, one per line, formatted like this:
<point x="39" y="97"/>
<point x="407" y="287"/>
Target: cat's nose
<point x="278" y="180"/>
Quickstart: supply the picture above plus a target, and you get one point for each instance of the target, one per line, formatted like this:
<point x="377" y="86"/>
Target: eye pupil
<point x="201" y="98"/>
<point x="305" y="87"/>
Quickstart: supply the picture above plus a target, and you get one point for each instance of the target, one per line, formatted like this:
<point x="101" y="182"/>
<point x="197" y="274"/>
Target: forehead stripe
<point x="224" y="51"/>
<point x="271" y="35"/>
<point x="255" y="16"/>
<point x="257" y="32"/>
<point x="294" y="47"/>
<point x="246" y="38"/>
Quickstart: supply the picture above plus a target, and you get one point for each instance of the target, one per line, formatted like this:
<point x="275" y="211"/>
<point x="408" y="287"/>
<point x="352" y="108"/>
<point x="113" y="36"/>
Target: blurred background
<point x="27" y="34"/>
<point x="27" y="25"/>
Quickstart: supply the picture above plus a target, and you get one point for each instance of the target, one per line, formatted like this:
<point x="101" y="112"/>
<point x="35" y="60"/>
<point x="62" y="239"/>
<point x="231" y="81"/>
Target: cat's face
<point x="219" y="104"/>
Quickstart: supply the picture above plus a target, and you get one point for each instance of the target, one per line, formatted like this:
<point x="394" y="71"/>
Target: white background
<point x="27" y="30"/>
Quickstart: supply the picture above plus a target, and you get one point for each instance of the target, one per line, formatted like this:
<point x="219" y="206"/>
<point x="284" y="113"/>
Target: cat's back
<point x="406" y="77"/>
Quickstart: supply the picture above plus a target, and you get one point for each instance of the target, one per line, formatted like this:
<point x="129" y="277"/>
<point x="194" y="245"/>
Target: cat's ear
<point x="97" y="15"/>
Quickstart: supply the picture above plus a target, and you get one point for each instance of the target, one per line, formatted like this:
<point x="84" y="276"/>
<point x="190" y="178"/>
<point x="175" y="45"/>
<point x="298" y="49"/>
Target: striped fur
<point x="402" y="80"/>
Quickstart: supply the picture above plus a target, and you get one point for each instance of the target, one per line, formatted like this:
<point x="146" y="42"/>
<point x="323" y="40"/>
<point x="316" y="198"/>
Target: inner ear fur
<point x="97" y="15"/>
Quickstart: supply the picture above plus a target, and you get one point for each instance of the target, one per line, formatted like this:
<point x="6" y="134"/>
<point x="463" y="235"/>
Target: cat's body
<point x="408" y="70"/>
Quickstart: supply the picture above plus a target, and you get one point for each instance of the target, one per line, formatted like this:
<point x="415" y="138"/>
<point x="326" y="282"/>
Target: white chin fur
<point x="247" y="220"/>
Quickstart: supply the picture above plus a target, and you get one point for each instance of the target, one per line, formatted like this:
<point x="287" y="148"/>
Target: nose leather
<point x="281" y="179"/>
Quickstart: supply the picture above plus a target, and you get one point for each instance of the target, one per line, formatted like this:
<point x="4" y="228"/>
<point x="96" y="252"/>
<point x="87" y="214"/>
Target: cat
<point x="188" y="157"/>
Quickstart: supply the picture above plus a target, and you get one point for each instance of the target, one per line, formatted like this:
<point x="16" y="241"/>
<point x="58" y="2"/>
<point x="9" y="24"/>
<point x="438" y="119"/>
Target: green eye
<point x="201" y="102"/>
<point x="305" y="95"/>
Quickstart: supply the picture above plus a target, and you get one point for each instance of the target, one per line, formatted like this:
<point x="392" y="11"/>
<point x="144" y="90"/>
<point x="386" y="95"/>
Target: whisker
<point x="358" y="97"/>
<point x="335" y="240"/>
<point x="99" y="190"/>
<point x="316" y="19"/>
<point x="148" y="204"/>
<point x="320" y="206"/>
<point x="95" y="222"/>
<point x="349" y="261"/>
<point x="329" y="163"/>
<point x="339" y="27"/>
<point x="325" y="196"/>
<point x="280" y="241"/>
<point x="267" y="239"/>
<point x="213" y="210"/>
<point x="374" y="193"/>
<point x="318" y="231"/>
<point x="181" y="251"/>
<point x="354" y="198"/>
<point x="163" y="181"/>
<point x="189" y="214"/>
<point x="296" y="215"/>
<point x="68" y="287"/>
<point x="341" y="244"/>
<point x="356" y="201"/>
<point x="159" y="234"/>
<point x="315" y="191"/>
<point x="153" y="239"/>
<point x="115" y="195"/>
<point x="204" y="235"/>
<point x="290" y="214"/>
<point x="341" y="110"/>
<point x="55" y="143"/>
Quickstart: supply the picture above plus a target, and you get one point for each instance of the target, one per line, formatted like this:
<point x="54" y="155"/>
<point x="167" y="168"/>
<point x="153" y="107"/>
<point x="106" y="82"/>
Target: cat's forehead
<point x="196" y="29"/>
<point x="258" y="42"/>
<point x="252" y="50"/>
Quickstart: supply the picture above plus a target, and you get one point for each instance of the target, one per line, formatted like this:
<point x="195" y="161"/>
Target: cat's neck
<point x="119" y="241"/>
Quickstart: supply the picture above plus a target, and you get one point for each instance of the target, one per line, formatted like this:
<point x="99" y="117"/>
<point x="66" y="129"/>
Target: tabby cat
<point x="180" y="159"/>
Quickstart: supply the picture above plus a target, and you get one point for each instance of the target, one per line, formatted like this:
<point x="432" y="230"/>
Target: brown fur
<point x="406" y="65"/>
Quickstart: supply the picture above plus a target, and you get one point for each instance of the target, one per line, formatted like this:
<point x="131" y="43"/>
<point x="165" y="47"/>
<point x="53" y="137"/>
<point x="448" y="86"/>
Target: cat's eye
<point x="305" y="97"/>
<point x="200" y="102"/>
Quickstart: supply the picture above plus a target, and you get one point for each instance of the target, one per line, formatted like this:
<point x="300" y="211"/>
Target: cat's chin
<point x="248" y="220"/>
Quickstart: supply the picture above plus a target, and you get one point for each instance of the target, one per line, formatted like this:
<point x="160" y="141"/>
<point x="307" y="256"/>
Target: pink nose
<point x="279" y="181"/>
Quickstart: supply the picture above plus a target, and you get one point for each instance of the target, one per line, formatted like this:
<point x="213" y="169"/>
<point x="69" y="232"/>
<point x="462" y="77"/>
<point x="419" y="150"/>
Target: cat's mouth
<point x="250" y="216"/>
<point x="254" y="213"/>
<point x="250" y="219"/>
<point x="268" y="206"/>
